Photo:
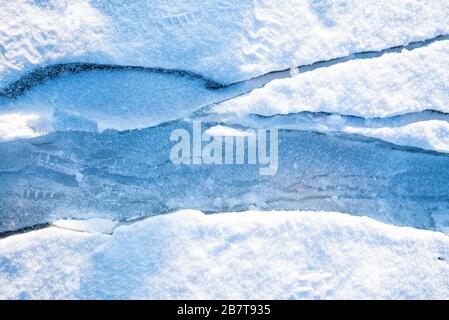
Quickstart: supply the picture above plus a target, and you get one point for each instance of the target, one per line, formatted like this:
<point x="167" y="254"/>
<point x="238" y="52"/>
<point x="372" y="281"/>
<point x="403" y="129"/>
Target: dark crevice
<point x="41" y="75"/>
<point x="6" y="234"/>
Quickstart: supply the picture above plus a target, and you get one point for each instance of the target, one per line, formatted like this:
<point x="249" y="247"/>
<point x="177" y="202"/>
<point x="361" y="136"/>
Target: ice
<point x="256" y="255"/>
<point x="425" y="130"/>
<point x="393" y="84"/>
<point x="226" y="41"/>
<point x="113" y="99"/>
<point x="124" y="175"/>
<point x="91" y="92"/>
<point x="140" y="64"/>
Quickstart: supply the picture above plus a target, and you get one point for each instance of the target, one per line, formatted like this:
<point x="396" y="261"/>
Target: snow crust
<point x="121" y="100"/>
<point x="224" y="131"/>
<point x="82" y="170"/>
<point x="394" y="84"/>
<point x="292" y="255"/>
<point x="259" y="37"/>
<point x="227" y="41"/>
<point x="18" y="126"/>
<point x="430" y="135"/>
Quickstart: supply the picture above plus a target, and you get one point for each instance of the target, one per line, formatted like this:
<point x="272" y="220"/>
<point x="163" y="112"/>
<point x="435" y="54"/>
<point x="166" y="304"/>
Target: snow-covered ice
<point x="122" y="100"/>
<point x="291" y="255"/>
<point x="91" y="91"/>
<point x="224" y="40"/>
<point x="426" y="130"/>
<point x="393" y="84"/>
<point x="430" y="135"/>
<point x="189" y="36"/>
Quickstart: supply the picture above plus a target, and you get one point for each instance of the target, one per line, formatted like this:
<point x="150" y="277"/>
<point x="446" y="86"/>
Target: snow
<point x="227" y="41"/>
<point x="90" y="92"/>
<point x="121" y="100"/>
<point x="190" y="37"/>
<point x="257" y="255"/>
<point x="428" y="131"/>
<point x="393" y="84"/>
<point x="223" y="131"/>
<point x="98" y="225"/>
<point x="430" y="135"/>
<point x="18" y="126"/>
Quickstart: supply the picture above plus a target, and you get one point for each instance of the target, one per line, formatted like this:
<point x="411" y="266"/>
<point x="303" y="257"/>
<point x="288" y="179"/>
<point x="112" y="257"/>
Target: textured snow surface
<point x="294" y="255"/>
<point x="121" y="100"/>
<point x="71" y="70"/>
<point x="17" y="126"/>
<point x="430" y="135"/>
<point x="394" y="84"/>
<point x="225" y="40"/>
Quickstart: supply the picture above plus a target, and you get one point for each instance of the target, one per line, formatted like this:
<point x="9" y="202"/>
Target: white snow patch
<point x="223" y="131"/>
<point x="228" y="41"/>
<point x="98" y="225"/>
<point x="18" y="126"/>
<point x="296" y="255"/>
<point x="394" y="84"/>
<point x="430" y="135"/>
<point x="122" y="100"/>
